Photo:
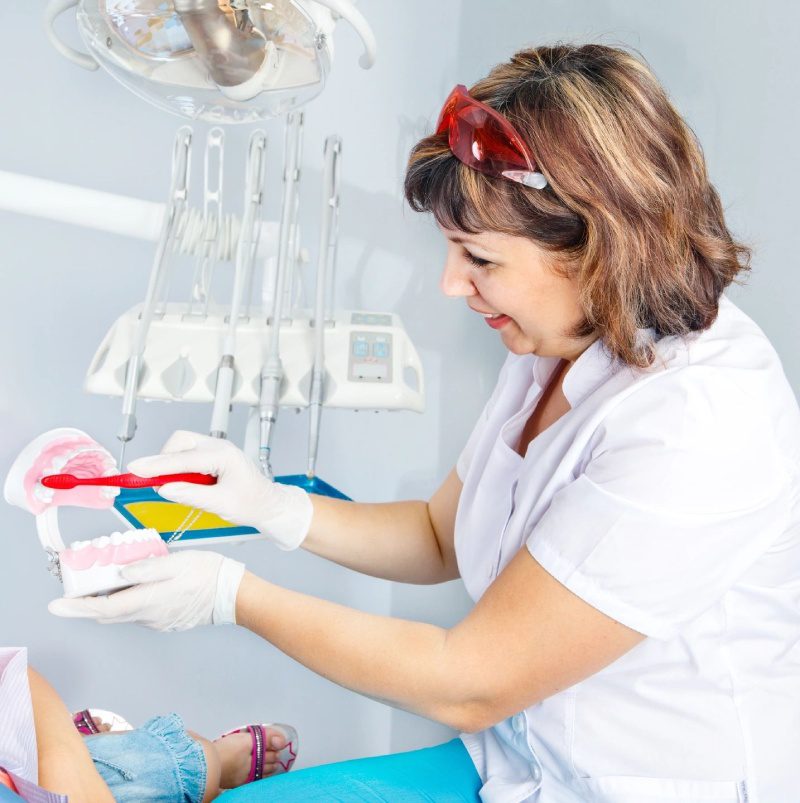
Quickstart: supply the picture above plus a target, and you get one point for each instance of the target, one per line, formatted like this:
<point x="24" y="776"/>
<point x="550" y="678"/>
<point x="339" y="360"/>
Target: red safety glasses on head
<point x="484" y="140"/>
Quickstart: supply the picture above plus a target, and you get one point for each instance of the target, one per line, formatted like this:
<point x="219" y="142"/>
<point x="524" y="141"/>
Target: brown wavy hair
<point x="629" y="210"/>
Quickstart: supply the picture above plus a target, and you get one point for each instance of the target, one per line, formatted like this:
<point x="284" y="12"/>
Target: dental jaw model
<point x="85" y="567"/>
<point x="93" y="567"/>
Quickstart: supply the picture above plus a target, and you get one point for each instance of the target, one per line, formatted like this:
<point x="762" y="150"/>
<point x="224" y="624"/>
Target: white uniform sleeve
<point x="465" y="458"/>
<point x="684" y="489"/>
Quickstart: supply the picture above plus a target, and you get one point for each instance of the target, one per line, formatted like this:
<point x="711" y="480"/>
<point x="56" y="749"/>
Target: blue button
<point x="360" y="348"/>
<point x="380" y="350"/>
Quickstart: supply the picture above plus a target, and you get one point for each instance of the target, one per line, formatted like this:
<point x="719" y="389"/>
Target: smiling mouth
<point x="497" y="320"/>
<point x="493" y="319"/>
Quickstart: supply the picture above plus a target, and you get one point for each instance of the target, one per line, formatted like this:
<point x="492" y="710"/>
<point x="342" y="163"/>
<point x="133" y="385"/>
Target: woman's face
<point x="511" y="282"/>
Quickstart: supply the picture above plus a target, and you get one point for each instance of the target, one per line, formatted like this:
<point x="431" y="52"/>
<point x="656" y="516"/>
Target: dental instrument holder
<point x="272" y="373"/>
<point x="280" y="357"/>
<point x="182" y="343"/>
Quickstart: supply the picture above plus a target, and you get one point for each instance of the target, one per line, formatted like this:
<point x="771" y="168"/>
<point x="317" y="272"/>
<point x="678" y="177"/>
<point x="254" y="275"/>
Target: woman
<point x="626" y="513"/>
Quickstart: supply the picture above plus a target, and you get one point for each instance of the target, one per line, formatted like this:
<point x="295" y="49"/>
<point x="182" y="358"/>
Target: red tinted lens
<point x="484" y="143"/>
<point x="454" y="99"/>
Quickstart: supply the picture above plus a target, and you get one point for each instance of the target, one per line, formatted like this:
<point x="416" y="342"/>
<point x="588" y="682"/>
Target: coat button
<point x="518" y="723"/>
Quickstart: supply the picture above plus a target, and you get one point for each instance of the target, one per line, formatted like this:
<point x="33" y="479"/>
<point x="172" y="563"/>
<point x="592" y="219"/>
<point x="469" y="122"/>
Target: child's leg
<point x="228" y="760"/>
<point x="213" y="767"/>
<point x="162" y="761"/>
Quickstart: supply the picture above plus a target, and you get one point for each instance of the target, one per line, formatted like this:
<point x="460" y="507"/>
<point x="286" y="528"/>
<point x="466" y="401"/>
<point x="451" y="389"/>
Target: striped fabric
<point x="17" y="735"/>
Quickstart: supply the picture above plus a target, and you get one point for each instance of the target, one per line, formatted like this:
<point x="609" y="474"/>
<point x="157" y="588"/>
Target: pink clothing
<point x="6" y="781"/>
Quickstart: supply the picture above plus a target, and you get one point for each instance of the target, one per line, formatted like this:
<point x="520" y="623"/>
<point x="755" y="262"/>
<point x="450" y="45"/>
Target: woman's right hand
<point x="242" y="494"/>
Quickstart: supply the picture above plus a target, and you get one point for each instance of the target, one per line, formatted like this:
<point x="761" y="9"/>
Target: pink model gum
<point x="91" y="463"/>
<point x="96" y="567"/>
<point x="119" y="554"/>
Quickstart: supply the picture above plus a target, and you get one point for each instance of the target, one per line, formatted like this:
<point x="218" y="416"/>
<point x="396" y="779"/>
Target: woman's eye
<point x="477" y="261"/>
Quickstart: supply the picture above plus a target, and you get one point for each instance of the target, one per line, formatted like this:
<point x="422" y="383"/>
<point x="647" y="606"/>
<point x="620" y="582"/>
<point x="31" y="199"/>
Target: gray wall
<point x="728" y="68"/>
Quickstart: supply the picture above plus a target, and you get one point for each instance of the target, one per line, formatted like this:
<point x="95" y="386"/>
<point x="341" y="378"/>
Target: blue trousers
<point x="443" y="774"/>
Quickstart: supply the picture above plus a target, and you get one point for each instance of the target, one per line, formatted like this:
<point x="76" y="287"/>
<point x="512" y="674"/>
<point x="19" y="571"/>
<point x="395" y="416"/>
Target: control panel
<point x="370" y="357"/>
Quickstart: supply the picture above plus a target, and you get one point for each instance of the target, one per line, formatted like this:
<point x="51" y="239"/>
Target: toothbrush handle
<point x="134" y="481"/>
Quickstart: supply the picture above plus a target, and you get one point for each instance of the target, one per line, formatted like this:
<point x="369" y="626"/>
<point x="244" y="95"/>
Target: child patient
<point x="161" y="761"/>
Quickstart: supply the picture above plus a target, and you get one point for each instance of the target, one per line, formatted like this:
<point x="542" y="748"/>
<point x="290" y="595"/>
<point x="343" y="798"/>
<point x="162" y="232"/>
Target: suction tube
<point x="245" y="254"/>
<point x="272" y="373"/>
<point x="327" y="256"/>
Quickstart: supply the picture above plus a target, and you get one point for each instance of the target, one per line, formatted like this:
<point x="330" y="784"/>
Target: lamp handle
<point x="53" y="10"/>
<point x="347" y="11"/>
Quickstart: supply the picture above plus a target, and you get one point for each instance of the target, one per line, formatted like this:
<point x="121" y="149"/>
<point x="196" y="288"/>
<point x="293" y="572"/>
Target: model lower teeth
<point x="115" y="539"/>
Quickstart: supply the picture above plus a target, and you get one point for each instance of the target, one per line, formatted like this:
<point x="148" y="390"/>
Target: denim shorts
<point x="158" y="762"/>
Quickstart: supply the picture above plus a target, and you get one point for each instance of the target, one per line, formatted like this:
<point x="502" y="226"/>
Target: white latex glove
<point x="176" y="592"/>
<point x="242" y="495"/>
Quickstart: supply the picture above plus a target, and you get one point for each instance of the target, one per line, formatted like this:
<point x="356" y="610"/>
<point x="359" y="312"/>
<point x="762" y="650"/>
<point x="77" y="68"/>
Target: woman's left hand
<point x="176" y="592"/>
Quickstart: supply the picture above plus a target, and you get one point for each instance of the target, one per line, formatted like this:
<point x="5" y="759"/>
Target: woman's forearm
<point x="395" y="541"/>
<point x="405" y="664"/>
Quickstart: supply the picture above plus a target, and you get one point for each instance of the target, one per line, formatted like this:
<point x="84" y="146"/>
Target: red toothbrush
<point x="64" y="482"/>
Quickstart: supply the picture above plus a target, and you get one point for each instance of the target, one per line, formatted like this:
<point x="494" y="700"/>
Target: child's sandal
<point x="84" y="721"/>
<point x="258" y="734"/>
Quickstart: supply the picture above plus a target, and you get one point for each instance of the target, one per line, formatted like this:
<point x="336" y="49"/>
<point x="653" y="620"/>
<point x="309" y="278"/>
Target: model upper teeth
<point x="492" y="314"/>
<point x="43" y="494"/>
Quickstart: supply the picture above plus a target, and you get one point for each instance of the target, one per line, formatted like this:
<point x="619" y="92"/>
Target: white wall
<point x="64" y="286"/>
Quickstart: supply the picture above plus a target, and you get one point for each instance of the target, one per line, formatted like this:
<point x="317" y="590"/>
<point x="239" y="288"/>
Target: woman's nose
<point x="456" y="281"/>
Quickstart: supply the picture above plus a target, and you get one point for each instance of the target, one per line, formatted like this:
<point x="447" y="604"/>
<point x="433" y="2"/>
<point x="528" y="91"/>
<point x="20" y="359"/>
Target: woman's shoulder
<point x="734" y="342"/>
<point x="730" y="372"/>
<point x="719" y="399"/>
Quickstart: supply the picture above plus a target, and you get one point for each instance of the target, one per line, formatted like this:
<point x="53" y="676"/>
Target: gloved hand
<point x="176" y="592"/>
<point x="242" y="495"/>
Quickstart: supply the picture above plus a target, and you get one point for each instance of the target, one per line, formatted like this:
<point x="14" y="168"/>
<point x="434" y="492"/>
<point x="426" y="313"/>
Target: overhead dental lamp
<point x="227" y="61"/>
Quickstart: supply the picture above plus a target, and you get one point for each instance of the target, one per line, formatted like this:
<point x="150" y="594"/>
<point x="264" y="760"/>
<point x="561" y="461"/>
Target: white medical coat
<point x="668" y="499"/>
